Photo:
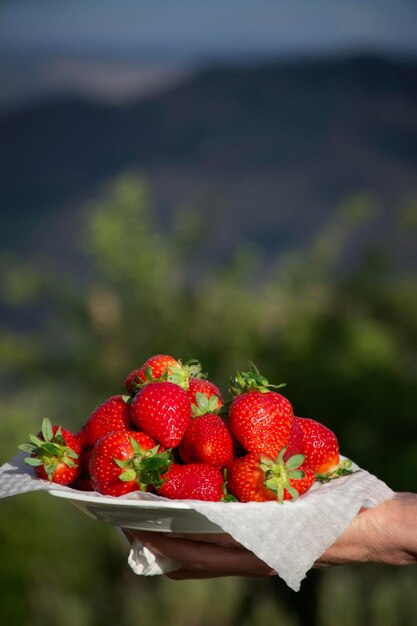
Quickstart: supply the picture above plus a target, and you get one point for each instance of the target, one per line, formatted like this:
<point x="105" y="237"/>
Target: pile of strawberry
<point x="174" y="436"/>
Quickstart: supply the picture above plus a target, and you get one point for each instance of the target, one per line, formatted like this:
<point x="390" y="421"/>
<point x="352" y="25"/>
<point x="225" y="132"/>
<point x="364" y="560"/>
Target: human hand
<point x="386" y="534"/>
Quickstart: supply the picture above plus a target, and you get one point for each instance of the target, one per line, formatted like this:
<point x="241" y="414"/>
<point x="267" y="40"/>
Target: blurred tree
<point x="342" y="336"/>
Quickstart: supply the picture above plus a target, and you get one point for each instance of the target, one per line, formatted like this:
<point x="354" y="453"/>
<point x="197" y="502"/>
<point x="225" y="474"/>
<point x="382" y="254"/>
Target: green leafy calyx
<point x="278" y="473"/>
<point x="50" y="451"/>
<point x="251" y="380"/>
<point x="204" y="404"/>
<point x="194" y="369"/>
<point x="145" y="466"/>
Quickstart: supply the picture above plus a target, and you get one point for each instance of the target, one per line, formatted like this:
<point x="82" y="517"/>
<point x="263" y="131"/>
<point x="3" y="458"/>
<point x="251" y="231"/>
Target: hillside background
<point x="264" y="152"/>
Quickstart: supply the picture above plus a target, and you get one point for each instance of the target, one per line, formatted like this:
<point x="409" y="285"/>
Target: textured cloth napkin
<point x="145" y="563"/>
<point x="289" y="537"/>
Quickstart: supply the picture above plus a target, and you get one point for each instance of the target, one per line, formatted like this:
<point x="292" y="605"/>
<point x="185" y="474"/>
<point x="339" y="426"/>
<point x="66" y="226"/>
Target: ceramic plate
<point x="140" y="514"/>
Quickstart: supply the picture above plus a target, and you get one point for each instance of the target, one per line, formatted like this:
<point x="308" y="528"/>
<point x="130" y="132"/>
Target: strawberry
<point x="321" y="448"/>
<point x="195" y="481"/>
<point x="55" y="454"/>
<point x="259" y="418"/>
<point x="157" y="367"/>
<point x="113" y="414"/>
<point x="125" y="461"/>
<point x="208" y="390"/>
<point x="81" y="438"/>
<point x="163" y="411"/>
<point x="295" y="442"/>
<point x="84" y="481"/>
<point x="207" y="440"/>
<point x="259" y="478"/>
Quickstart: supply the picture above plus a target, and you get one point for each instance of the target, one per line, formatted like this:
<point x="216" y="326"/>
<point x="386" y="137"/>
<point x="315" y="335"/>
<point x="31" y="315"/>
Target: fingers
<point x="205" y="559"/>
<point x="184" y="574"/>
<point x="129" y="534"/>
<point x="221" y="539"/>
<point x="384" y="534"/>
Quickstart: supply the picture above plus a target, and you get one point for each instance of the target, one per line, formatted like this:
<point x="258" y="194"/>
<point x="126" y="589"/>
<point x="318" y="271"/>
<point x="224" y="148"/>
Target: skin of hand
<point x="386" y="534"/>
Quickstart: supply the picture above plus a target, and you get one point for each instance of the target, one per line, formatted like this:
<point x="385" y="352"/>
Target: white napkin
<point x="289" y="537"/>
<point x="145" y="563"/>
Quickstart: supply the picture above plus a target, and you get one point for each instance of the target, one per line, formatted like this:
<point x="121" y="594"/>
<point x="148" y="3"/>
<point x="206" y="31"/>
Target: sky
<point x="192" y="28"/>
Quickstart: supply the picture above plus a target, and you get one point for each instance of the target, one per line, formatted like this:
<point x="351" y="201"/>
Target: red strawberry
<point x="259" y="418"/>
<point x="295" y="443"/>
<point x="259" y="478"/>
<point x="195" y="481"/>
<point x="126" y="461"/>
<point x="208" y="390"/>
<point x="155" y="368"/>
<point x="81" y="438"/>
<point x="207" y="440"/>
<point x="84" y="484"/>
<point x="84" y="481"/>
<point x="163" y="411"/>
<point x="321" y="449"/>
<point x="113" y="414"/>
<point x="55" y="454"/>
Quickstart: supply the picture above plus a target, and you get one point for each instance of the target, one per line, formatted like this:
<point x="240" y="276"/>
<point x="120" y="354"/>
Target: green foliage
<point x="343" y="341"/>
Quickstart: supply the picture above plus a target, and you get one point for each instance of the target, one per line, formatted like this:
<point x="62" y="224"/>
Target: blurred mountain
<point x="264" y="152"/>
<point x="44" y="75"/>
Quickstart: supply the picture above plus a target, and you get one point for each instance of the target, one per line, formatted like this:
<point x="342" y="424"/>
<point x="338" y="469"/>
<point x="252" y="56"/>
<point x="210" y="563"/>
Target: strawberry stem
<point x="204" y="404"/>
<point x="251" y="380"/>
<point x="145" y="466"/>
<point x="279" y="472"/>
<point x="194" y="369"/>
<point x="49" y="451"/>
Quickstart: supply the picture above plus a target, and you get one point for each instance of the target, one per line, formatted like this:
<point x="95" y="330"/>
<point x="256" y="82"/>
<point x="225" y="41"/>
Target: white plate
<point x="140" y="514"/>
